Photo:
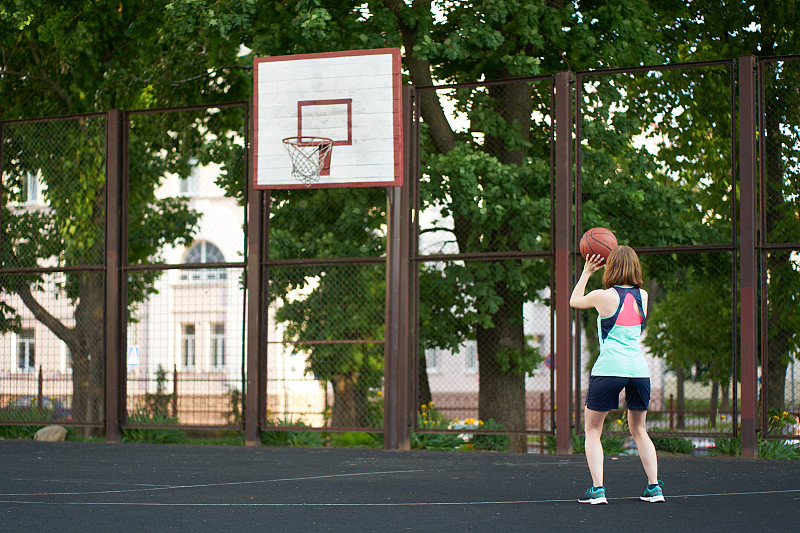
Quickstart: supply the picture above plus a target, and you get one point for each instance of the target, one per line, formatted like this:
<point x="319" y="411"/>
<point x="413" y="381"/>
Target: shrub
<point x="433" y="419"/>
<point x="234" y="414"/>
<point x="158" y="402"/>
<point x="18" y="432"/>
<point x="494" y="442"/>
<point x="289" y="437"/>
<point x="32" y="414"/>
<point x="725" y="446"/>
<point x="354" y="439"/>
<point x="153" y="435"/>
<point x="436" y="441"/>
<point x="778" y="449"/>
<point x="612" y="444"/>
<point x="671" y="444"/>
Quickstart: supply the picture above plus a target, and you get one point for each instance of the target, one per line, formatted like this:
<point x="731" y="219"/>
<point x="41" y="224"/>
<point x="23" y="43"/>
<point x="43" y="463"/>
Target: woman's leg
<point x="593" y="423"/>
<point x="647" y="452"/>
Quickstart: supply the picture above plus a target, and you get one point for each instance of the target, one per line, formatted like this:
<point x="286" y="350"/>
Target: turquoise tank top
<point x="619" y="334"/>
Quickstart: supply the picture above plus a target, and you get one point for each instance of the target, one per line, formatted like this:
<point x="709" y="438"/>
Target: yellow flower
<point x="430" y="403"/>
<point x="723" y="417"/>
<point x="380" y="393"/>
<point x="423" y="406"/>
<point x="457" y="422"/>
<point x="785" y="413"/>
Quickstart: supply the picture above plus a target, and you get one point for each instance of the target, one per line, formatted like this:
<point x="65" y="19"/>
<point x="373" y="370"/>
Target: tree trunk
<point x="349" y="402"/>
<point x="680" y="398"/>
<point x="501" y="390"/>
<point x="88" y="351"/>
<point x="423" y="385"/>
<point x="501" y="394"/>
<point x="714" y="404"/>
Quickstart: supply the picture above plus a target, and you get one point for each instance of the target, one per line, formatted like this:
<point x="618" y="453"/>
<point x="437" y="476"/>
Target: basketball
<point x="598" y="241"/>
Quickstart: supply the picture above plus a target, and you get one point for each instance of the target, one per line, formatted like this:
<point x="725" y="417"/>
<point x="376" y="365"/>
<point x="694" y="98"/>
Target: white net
<point x="309" y="155"/>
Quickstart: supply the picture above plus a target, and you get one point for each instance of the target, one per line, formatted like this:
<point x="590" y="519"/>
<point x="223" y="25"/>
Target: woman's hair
<point x="622" y="268"/>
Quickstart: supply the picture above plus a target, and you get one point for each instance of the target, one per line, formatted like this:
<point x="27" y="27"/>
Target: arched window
<point x="204" y="252"/>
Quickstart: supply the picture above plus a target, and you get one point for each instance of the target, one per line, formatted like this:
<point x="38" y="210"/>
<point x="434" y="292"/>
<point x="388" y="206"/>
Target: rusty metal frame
<point x="749" y="286"/>
<point x="764" y="246"/>
<point x="125" y="267"/>
<point x="732" y="248"/>
<point x="416" y="258"/>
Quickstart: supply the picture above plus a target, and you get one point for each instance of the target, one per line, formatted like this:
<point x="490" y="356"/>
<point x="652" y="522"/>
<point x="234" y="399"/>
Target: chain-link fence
<point x="484" y="254"/>
<point x="655" y="165"/>
<point x="655" y="160"/>
<point x="52" y="283"/>
<point x="779" y="158"/>
<point x="184" y="267"/>
<point x="327" y="299"/>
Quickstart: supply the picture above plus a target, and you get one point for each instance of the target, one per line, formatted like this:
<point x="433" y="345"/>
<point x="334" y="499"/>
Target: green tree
<point x="760" y="28"/>
<point x="90" y="56"/>
<point x="492" y="188"/>
<point x="335" y="302"/>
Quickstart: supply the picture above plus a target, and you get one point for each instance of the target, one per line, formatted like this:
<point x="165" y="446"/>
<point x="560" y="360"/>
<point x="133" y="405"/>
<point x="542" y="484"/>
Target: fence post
<point x="40" y="393"/>
<point x="747" y="252"/>
<point x="114" y="352"/>
<point x="671" y="412"/>
<point x="541" y="422"/>
<point x="174" y="390"/>
<point x="563" y="281"/>
<point x="256" y="313"/>
<point x="397" y="353"/>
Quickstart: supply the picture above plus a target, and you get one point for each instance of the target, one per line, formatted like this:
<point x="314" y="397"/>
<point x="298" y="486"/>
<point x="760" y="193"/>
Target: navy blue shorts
<point x="604" y="392"/>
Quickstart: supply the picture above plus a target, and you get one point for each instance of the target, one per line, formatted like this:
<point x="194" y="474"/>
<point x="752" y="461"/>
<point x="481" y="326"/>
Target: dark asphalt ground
<point x="120" y="487"/>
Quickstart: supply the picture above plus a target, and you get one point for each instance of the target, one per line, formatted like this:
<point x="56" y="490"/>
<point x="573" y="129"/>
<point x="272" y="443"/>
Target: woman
<point x="621" y="365"/>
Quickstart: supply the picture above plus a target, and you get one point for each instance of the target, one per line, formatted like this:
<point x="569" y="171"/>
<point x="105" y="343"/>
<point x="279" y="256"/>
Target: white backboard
<point x="352" y="97"/>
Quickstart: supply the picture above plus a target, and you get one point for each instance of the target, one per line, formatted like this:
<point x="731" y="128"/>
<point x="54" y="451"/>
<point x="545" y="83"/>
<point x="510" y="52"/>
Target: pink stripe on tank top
<point x="629" y="314"/>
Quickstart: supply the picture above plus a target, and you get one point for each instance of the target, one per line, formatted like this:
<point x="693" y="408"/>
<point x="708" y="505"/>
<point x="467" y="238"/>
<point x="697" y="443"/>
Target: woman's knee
<point x="636" y="423"/>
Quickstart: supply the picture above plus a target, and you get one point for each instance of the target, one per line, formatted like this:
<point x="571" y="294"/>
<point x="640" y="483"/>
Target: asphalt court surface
<point x="139" y="487"/>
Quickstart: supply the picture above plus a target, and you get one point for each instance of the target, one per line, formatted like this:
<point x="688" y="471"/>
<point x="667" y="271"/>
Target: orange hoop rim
<point x="307" y="140"/>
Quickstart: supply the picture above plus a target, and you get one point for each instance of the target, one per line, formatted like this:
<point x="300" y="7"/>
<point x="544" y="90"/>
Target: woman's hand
<point x="579" y="299"/>
<point x="593" y="263"/>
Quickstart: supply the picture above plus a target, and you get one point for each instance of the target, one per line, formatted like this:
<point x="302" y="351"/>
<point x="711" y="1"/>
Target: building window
<point x="30" y="192"/>
<point x="67" y="359"/>
<point x="218" y="344"/>
<point x="188" y="345"/>
<point x="432" y="356"/>
<point x="471" y="357"/>
<point x="27" y="350"/>
<point x="190" y="185"/>
<point x="204" y="252"/>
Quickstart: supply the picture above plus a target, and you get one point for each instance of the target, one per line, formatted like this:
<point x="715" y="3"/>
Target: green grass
<point x="767" y="449"/>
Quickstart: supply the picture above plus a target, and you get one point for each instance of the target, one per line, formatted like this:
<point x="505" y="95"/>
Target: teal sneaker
<point x="594" y="495"/>
<point x="653" y="495"/>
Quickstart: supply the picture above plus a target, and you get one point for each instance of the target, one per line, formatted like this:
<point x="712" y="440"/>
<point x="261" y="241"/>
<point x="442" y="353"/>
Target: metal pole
<point x="256" y="313"/>
<point x="397" y="355"/>
<point x="113" y="304"/>
<point x="563" y="260"/>
<point x="747" y="252"/>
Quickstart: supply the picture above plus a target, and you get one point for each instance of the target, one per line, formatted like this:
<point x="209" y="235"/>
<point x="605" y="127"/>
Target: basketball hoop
<point x="311" y="157"/>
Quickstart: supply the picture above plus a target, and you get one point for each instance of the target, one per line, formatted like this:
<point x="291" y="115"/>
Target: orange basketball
<point x="598" y="241"/>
